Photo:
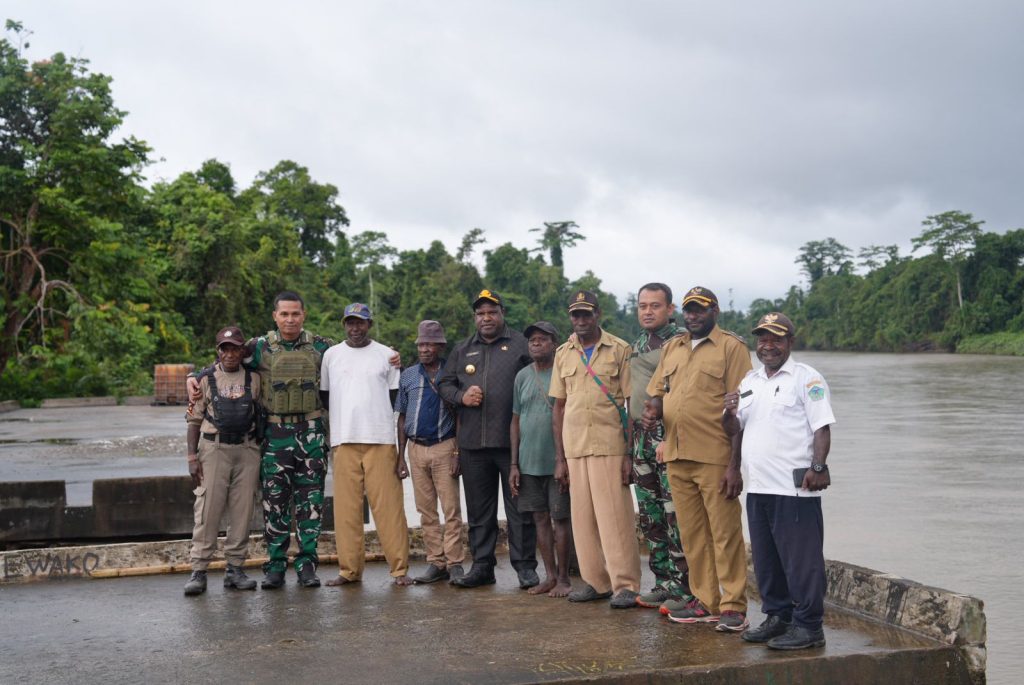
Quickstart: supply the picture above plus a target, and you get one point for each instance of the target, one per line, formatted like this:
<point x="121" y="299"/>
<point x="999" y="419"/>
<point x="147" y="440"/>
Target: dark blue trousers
<point x="786" y="539"/>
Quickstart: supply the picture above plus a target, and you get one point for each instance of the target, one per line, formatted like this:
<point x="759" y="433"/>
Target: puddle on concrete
<point x="45" y="441"/>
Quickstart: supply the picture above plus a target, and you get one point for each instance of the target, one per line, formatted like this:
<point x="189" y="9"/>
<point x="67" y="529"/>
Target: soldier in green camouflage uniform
<point x="293" y="466"/>
<point x="654" y="499"/>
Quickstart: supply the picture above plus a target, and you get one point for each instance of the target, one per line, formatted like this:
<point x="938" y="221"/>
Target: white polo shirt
<point x="779" y="416"/>
<point x="359" y="379"/>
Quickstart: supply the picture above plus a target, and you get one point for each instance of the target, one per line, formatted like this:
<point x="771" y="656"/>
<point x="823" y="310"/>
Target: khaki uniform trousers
<point x="603" y="524"/>
<point x="369" y="468"/>
<point x="711" y="531"/>
<point x="430" y="469"/>
<point x="231" y="476"/>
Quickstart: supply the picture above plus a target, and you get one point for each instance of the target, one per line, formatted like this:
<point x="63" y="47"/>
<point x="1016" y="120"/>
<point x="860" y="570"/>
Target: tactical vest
<point x="291" y="390"/>
<point x="232" y="417"/>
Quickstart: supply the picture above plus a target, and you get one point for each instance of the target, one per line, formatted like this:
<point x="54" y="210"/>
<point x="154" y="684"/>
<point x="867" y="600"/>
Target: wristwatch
<point x="818" y="468"/>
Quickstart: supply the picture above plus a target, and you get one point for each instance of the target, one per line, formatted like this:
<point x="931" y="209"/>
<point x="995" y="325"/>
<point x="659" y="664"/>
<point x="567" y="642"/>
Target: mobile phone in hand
<point x="798" y="477"/>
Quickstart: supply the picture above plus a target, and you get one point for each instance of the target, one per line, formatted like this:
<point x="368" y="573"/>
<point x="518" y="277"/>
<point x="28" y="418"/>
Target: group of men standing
<point x="562" y="430"/>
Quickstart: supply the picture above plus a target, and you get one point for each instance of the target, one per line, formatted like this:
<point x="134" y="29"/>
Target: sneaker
<point x="307" y="576"/>
<point x="773" y="626"/>
<point x="624" y="599"/>
<point x="588" y="594"/>
<point x="670" y="605"/>
<point x="653" y="599"/>
<point x="732" y="622"/>
<point x="196" y="584"/>
<point x="695" y="612"/>
<point x="234" y="577"/>
<point x="798" y="637"/>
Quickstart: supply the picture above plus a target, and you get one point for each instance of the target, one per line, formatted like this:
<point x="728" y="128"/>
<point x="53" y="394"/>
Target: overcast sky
<point x="694" y="143"/>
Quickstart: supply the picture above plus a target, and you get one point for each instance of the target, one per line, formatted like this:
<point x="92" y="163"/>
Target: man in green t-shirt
<point x="532" y="473"/>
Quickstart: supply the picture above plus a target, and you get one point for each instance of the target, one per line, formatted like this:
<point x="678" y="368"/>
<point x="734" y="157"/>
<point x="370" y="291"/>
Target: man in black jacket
<point x="478" y="379"/>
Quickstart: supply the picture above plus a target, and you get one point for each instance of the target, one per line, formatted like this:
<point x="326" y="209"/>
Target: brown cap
<point x="487" y="296"/>
<point x="775" y="322"/>
<point x="702" y="296"/>
<point x="583" y="299"/>
<point x="232" y="335"/>
<point x="430" y="332"/>
<point x="543" y="327"/>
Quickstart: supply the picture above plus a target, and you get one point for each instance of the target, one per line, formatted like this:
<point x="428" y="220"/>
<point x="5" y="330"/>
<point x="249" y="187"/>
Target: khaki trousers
<point x="369" y="468"/>
<point x="711" y="531"/>
<point x="231" y="475"/>
<point x="603" y="524"/>
<point x="432" y="481"/>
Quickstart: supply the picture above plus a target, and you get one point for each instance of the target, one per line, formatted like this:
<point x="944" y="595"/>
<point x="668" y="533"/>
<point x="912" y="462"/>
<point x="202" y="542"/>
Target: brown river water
<point x="927" y="463"/>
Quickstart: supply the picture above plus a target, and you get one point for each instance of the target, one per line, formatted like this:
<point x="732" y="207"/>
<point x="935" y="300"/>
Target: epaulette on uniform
<point x="735" y="335"/>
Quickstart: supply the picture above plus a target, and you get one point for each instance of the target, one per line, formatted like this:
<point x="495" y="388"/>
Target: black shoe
<point x="798" y="637"/>
<point x="196" y="584"/>
<point x="588" y="594"/>
<point x="307" y="576"/>
<point x="234" y="577"/>
<point x="433" y="574"/>
<point x="273" y="580"/>
<point x="477" y="576"/>
<point x="528" y="578"/>
<point x="456" y="571"/>
<point x="773" y="626"/>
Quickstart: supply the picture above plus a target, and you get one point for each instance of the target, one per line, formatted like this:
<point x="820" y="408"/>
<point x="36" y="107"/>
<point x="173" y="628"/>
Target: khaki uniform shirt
<point x="693" y="383"/>
<point x="592" y="426"/>
<point x="230" y="385"/>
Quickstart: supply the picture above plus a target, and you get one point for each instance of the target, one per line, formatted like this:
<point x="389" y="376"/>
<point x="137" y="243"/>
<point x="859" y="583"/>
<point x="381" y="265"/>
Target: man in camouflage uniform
<point x="654" y="499"/>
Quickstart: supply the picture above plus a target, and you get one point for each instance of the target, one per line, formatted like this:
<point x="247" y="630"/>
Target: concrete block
<point x="32" y="510"/>
<point x="9" y="405"/>
<point x="142" y="506"/>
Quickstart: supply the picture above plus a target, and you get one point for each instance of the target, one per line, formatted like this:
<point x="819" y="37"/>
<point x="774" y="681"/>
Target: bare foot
<point x="543" y="587"/>
<point x="560" y="590"/>
<point x="340" y="580"/>
<point x="403" y="581"/>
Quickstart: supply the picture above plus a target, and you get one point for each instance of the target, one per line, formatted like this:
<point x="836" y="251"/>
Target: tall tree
<point x="952" y="236"/>
<point x="371" y="251"/>
<point x="555" y="237"/>
<point x="474" y="237"/>
<point x="820" y="258"/>
<point x="288" y="191"/>
<point x="64" y="184"/>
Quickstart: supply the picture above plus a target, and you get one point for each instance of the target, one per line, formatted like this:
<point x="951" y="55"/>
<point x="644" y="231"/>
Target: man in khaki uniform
<point x="590" y="384"/>
<point x="224" y="462"/>
<point x="688" y="389"/>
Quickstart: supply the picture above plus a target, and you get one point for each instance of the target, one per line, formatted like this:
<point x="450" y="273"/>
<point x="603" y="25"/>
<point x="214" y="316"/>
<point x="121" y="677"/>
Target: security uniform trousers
<point x="603" y="523"/>
<point x="787" y="535"/>
<point x="711" y="530"/>
<point x="230" y="479"/>
<point x="370" y="467"/>
<point x="430" y="467"/>
<point x="480" y="473"/>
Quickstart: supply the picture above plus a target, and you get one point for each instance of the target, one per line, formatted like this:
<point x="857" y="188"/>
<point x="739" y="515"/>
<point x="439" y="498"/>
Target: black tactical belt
<point x="228" y="438"/>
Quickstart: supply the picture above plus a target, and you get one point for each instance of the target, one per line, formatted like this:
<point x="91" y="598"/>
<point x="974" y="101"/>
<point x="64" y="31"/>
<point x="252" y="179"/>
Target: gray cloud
<point x="692" y="142"/>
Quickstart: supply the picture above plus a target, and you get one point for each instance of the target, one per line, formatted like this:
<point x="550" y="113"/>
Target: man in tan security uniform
<point x="688" y="389"/>
<point x="224" y="462"/>
<point x="590" y="384"/>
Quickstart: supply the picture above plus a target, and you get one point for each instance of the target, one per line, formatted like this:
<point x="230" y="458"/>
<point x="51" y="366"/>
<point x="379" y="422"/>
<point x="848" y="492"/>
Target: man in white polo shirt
<point x="782" y="413"/>
<point x="362" y="384"/>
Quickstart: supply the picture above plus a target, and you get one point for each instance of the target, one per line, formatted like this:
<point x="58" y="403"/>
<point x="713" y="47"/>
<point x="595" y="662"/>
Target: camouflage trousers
<point x="292" y="472"/>
<point x="658" y="514"/>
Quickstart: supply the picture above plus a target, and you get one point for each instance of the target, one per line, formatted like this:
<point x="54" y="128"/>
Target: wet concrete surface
<point x="133" y="629"/>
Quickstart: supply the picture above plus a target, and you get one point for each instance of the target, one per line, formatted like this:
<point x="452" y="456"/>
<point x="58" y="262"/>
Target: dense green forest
<point x="105" y="276"/>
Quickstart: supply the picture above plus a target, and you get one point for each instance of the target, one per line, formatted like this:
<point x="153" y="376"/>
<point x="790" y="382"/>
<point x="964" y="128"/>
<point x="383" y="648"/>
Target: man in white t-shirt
<point x="782" y="413"/>
<point x="361" y="386"/>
